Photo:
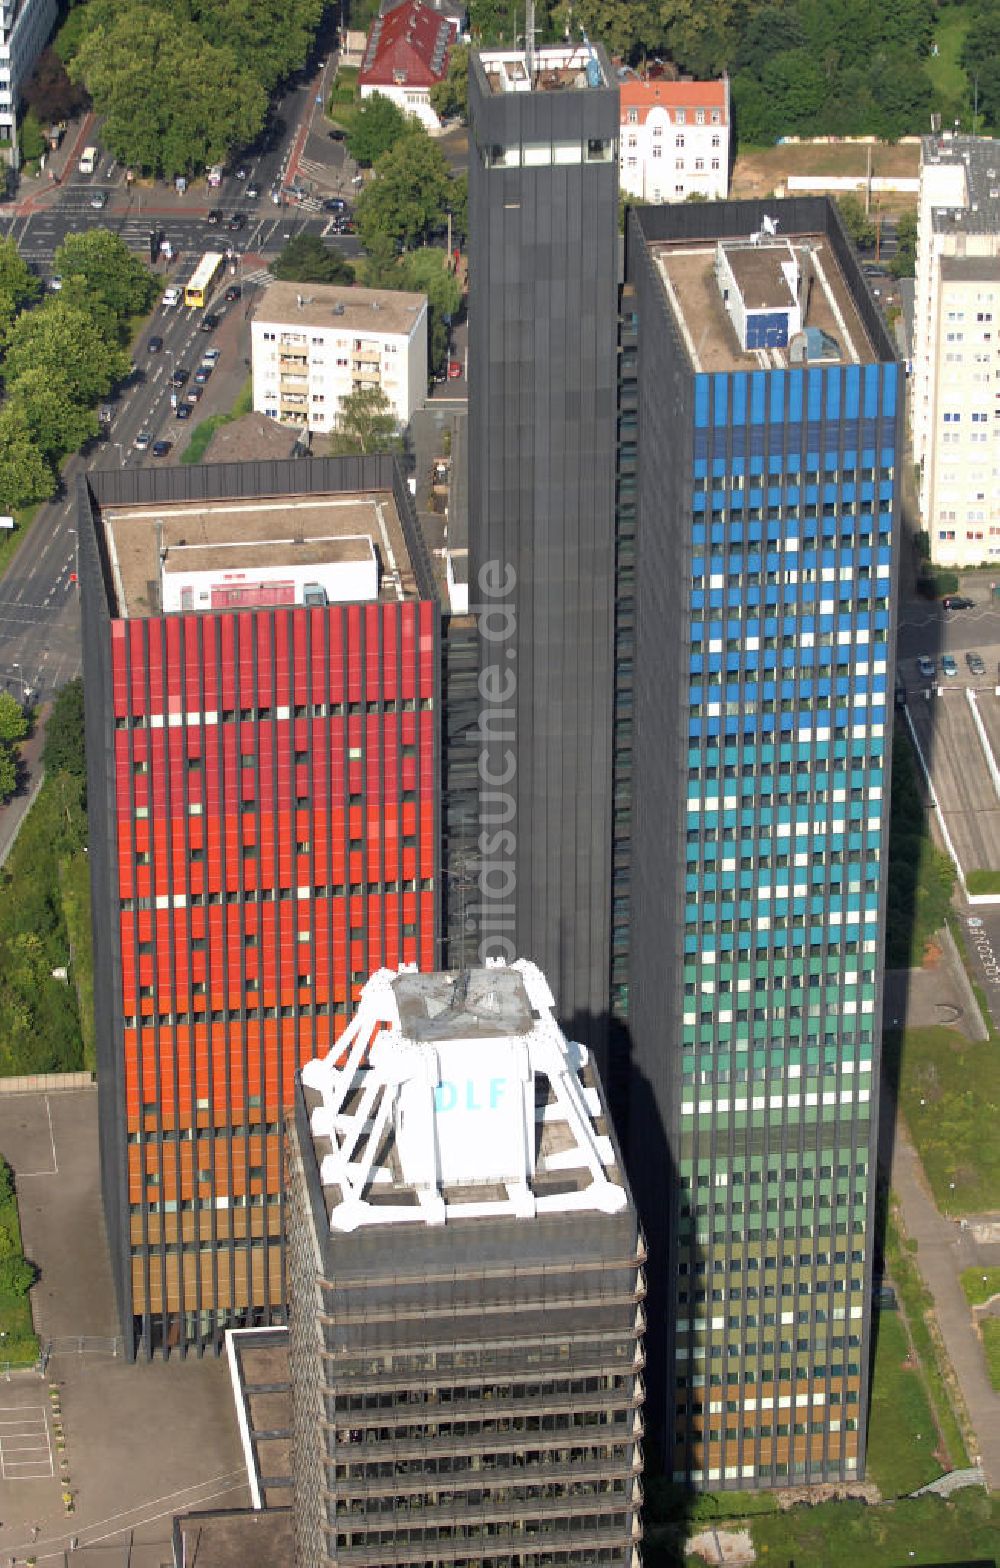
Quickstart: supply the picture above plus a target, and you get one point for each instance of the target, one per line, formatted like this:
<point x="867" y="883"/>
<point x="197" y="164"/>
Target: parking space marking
<point x="25" y="1444"/>
<point x="54" y="1169"/>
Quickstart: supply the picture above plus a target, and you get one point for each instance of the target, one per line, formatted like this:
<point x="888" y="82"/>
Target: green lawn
<point x="948" y="79"/>
<point x="980" y="1284"/>
<point x="850" y="1535"/>
<point x="901" y="1437"/>
<point x="915" y="1301"/>
<point x="991" y="1344"/>
<point x="983" y="881"/>
<point x="950" y="1096"/>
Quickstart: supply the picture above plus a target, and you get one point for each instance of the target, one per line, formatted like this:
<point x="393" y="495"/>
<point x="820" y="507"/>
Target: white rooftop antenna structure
<point x="437" y="1114"/>
<point x="769" y="225"/>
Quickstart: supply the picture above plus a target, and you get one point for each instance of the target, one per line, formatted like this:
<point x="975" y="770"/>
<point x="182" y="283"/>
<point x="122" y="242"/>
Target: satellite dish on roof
<point x="769" y="225"/>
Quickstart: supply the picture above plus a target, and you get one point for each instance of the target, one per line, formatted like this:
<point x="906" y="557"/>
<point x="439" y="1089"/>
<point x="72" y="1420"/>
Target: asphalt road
<point x="960" y="776"/>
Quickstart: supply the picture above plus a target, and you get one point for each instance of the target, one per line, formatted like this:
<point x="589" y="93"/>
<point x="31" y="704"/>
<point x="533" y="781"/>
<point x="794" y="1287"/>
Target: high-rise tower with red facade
<point x="261" y="662"/>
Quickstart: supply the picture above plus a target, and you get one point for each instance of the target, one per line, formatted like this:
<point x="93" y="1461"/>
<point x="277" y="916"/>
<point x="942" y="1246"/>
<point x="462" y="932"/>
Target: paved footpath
<point x="13" y="813"/>
<point x="940" y="1257"/>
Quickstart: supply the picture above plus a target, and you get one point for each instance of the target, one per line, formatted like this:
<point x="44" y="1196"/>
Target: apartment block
<point x="956" y="349"/>
<point x="674" y="140"/>
<point x="467" y="1277"/>
<point x="25" y="26"/>
<point x="315" y="344"/>
<point x="769" y="439"/>
<point x="261" y="653"/>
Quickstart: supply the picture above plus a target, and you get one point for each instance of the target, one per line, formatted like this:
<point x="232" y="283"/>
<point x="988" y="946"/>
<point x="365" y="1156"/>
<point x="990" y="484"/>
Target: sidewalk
<point x="941" y="1255"/>
<point x="16" y="809"/>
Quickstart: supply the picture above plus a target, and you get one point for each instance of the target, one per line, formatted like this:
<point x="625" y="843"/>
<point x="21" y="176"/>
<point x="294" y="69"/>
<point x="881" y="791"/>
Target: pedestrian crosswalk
<point x="259" y="278"/>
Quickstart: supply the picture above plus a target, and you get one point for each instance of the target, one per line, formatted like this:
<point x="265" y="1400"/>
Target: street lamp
<point x="25" y="688"/>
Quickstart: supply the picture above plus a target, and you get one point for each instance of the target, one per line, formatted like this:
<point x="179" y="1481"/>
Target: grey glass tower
<point x="769" y="438"/>
<point x="543" y="194"/>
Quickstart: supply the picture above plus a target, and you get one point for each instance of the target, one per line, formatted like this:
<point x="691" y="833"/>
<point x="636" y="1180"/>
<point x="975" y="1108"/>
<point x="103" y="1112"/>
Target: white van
<point x="171" y="297"/>
<point x="88" y="160"/>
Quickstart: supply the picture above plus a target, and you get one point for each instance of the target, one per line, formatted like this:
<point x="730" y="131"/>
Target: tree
<point x="50" y="92"/>
<point x="64" y="750"/>
<point x="13" y="724"/>
<point x="58" y="423"/>
<point x="8" y="773"/>
<point x="408" y="197"/>
<point x="904" y="262"/>
<point x="17" y="281"/>
<point x="25" y="477"/>
<point x="980" y="56"/>
<point x="270" y="41"/>
<point x="622" y="26"/>
<point x="769" y="32"/>
<point x="172" y="102"/>
<point x="63" y="339"/>
<point x="101" y="275"/>
<point x="427" y="272"/>
<point x="365" y="423"/>
<point x="858" y="223"/>
<point x="450" y="97"/>
<point x="377" y="125"/>
<point x="305" y="259"/>
<point x="495" y="21"/>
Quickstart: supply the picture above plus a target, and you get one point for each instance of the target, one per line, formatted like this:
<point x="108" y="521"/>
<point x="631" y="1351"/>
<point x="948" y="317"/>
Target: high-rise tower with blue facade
<point x="768" y="443"/>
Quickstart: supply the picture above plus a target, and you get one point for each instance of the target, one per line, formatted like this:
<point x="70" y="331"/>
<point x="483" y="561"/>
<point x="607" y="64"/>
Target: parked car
<point x="454" y="369"/>
<point x="214" y="215"/>
<point x="182" y="411"/>
<point x="237" y="221"/>
<point x="958" y="601"/>
<point x="926" y="667"/>
<point x="179" y="376"/>
<point x="161" y="448"/>
<point x="210" y="321"/>
<point x="142" y="441"/>
<point x="194" y="394"/>
<point x="975" y="663"/>
<point x="55" y="283"/>
<point x="202" y="374"/>
<point x="233" y="292"/>
<point x="154" y="346"/>
<point x="948" y="666"/>
<point x="210" y="356"/>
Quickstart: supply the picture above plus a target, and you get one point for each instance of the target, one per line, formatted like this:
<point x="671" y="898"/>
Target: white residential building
<point x="25" y="26"/>
<point x="314" y="344"/>
<point x="406" y="55"/>
<point x="674" y="140"/>
<point x="955" y="404"/>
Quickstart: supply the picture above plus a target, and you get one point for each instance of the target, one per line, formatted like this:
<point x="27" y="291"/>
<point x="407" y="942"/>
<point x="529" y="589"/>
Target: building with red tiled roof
<point x="406" y="54"/>
<point x="674" y="139"/>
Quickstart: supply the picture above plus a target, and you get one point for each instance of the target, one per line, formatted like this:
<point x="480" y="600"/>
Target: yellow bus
<point x="199" y="289"/>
